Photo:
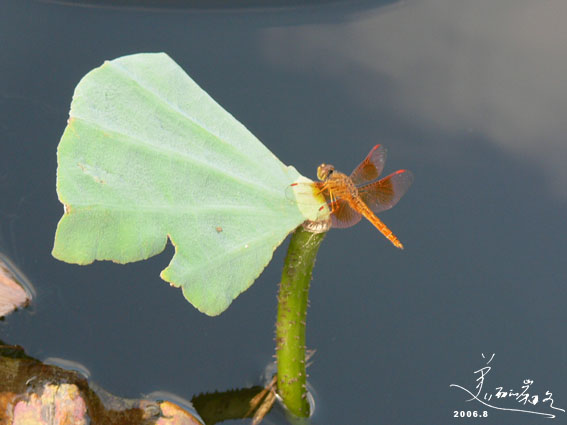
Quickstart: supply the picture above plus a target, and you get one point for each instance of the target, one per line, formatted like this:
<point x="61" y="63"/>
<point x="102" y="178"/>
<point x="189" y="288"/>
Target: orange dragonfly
<point x="360" y="194"/>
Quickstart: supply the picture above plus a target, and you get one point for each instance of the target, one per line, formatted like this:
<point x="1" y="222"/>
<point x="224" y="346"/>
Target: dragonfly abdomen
<point x="371" y="217"/>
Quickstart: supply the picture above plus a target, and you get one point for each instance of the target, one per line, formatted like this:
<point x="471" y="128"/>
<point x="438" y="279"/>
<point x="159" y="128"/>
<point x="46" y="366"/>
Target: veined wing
<point x="342" y="215"/>
<point x="383" y="194"/>
<point x="371" y="167"/>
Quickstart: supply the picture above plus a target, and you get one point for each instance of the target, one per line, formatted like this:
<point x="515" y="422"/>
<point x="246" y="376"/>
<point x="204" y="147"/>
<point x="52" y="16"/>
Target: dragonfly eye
<point x="324" y="171"/>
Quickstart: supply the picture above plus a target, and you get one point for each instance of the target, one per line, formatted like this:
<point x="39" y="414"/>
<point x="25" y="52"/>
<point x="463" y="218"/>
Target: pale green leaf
<point x="148" y="155"/>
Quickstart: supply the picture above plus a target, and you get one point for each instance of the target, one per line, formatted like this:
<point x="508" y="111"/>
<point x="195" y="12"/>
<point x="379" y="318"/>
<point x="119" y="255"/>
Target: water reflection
<point x="216" y="5"/>
<point x="69" y="365"/>
<point x="497" y="70"/>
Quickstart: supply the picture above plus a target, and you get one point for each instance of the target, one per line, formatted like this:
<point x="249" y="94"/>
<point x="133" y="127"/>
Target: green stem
<point x="290" y="327"/>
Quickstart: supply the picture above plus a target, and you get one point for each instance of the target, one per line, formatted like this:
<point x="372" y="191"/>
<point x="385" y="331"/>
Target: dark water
<point x="470" y="96"/>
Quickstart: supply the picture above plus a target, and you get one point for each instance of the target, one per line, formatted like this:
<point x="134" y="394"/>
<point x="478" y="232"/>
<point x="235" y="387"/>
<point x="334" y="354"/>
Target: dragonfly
<point x="361" y="194"/>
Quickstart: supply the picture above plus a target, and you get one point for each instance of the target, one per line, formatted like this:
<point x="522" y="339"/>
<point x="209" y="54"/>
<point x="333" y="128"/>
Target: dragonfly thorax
<point x="342" y="186"/>
<point x="336" y="183"/>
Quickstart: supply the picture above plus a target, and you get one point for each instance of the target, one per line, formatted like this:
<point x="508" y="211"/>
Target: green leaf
<point x="147" y="155"/>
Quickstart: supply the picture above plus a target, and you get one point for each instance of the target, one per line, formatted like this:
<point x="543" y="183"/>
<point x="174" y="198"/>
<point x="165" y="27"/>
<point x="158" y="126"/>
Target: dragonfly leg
<point x="333" y="201"/>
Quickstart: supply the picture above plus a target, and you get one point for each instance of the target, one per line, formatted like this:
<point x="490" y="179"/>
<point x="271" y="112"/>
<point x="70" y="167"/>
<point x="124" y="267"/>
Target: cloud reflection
<point x="498" y="69"/>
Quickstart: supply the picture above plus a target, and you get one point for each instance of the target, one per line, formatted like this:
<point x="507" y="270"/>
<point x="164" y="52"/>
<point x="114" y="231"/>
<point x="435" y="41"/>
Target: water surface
<point x="470" y="96"/>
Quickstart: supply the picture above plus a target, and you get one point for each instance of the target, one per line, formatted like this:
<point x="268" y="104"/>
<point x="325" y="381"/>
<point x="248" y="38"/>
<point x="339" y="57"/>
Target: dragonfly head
<point x="324" y="171"/>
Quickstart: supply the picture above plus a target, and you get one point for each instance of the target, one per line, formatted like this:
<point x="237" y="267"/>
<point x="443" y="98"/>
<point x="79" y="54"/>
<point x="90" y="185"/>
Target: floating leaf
<point x="147" y="155"/>
<point x="15" y="290"/>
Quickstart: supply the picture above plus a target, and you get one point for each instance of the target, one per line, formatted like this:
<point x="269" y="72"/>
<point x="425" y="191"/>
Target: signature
<point x="522" y="396"/>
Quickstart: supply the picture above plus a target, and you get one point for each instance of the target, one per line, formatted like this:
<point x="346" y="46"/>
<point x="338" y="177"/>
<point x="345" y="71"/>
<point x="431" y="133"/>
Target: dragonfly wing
<point x="385" y="193"/>
<point x="371" y="167"/>
<point x="343" y="215"/>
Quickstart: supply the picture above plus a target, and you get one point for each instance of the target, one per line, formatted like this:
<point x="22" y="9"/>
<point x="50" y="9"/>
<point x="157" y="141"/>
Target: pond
<point x="469" y="96"/>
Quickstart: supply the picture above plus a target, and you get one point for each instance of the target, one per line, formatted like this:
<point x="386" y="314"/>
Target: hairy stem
<point x="290" y="327"/>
